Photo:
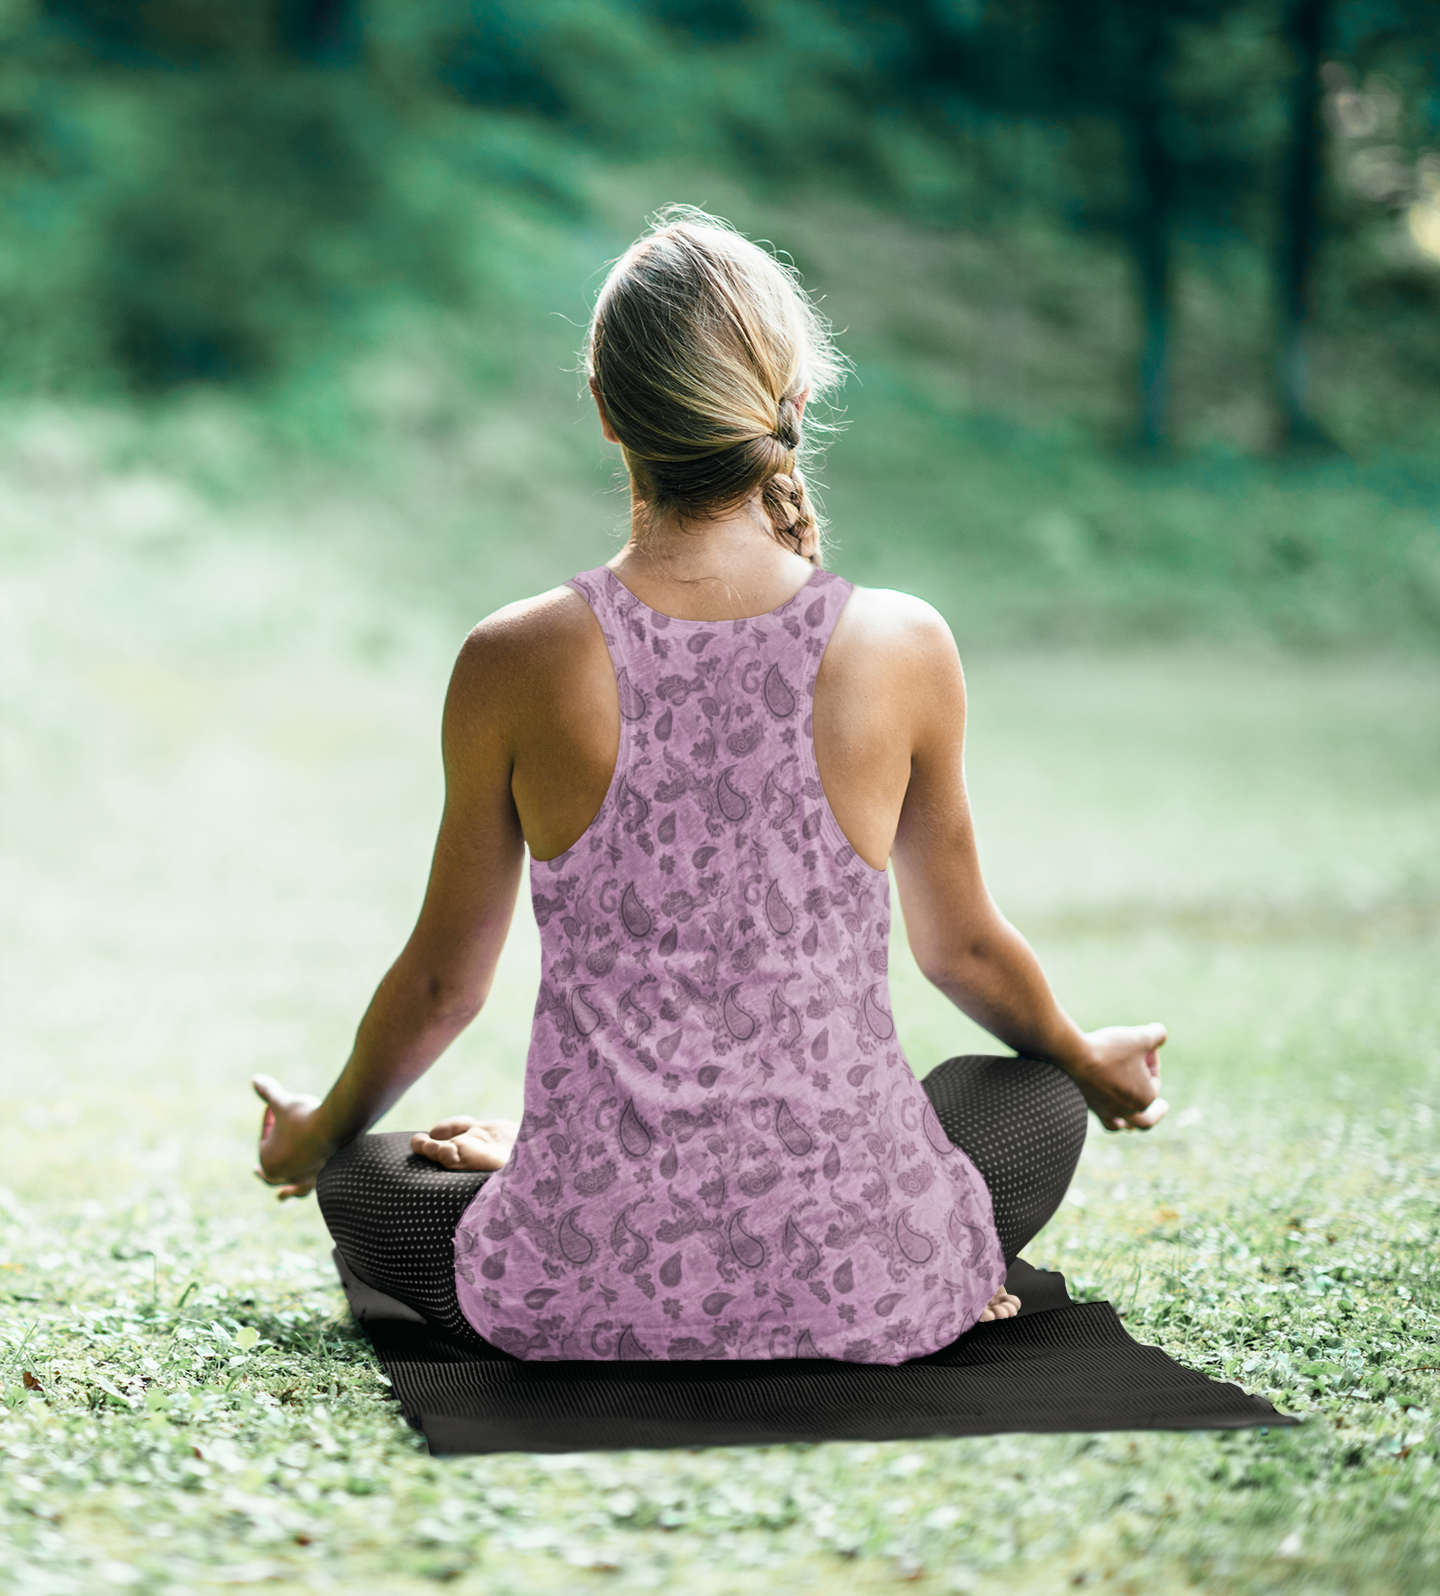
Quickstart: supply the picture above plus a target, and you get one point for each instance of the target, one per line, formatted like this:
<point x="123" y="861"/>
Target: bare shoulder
<point x="886" y="612"/>
<point x="518" y="633"/>
<point x="897" y="633"/>
<point x="549" y="629"/>
<point x="523" y="654"/>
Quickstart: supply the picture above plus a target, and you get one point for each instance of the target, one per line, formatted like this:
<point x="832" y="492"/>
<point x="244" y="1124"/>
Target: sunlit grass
<point x="220" y="784"/>
<point x="239" y="1430"/>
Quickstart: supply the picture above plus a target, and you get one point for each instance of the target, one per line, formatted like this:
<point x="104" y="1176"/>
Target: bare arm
<point x="444" y="974"/>
<point x="960" y="939"/>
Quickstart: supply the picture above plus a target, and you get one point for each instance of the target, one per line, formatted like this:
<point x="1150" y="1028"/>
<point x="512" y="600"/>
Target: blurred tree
<point x="162" y="33"/>
<point x="707" y="21"/>
<point x="1307" y="29"/>
<point x="318" y="30"/>
<point x="213" y="194"/>
<point x="1154" y="100"/>
<point x="201" y="192"/>
<point x="1143" y="97"/>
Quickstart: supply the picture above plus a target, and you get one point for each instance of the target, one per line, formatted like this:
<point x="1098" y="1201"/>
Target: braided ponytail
<point x="705" y="349"/>
<point x="792" y="515"/>
<point x="783" y="494"/>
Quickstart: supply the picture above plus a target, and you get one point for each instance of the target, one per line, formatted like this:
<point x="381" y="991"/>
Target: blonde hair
<point x="701" y="346"/>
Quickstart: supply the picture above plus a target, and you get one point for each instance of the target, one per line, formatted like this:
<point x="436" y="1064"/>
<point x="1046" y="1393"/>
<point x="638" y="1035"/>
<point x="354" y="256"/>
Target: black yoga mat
<point x="1058" y="1365"/>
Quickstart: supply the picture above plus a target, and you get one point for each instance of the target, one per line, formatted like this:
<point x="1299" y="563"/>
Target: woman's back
<point x="540" y="675"/>
<point x="711" y="750"/>
<point x="716" y="1104"/>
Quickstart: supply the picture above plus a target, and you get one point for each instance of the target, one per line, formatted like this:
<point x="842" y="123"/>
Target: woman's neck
<point x="716" y="570"/>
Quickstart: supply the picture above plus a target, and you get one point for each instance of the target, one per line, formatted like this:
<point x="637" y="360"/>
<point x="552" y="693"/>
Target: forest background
<point x="1141" y="301"/>
<point x="1061" y="235"/>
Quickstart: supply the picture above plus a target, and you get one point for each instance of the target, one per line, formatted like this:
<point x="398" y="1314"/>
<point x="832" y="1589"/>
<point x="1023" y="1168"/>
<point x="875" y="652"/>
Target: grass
<point x="220" y="784"/>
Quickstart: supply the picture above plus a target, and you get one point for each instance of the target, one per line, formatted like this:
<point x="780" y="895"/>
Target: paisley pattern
<point x="723" y="1153"/>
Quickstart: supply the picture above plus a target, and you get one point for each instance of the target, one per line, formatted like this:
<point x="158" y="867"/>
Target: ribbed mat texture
<point x="1058" y="1366"/>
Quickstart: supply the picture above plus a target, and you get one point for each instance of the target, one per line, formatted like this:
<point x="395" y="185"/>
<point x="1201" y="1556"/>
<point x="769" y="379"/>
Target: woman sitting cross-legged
<point x="712" y="749"/>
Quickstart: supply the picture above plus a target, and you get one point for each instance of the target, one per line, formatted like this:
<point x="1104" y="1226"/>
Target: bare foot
<point x="467" y="1143"/>
<point x="1001" y="1306"/>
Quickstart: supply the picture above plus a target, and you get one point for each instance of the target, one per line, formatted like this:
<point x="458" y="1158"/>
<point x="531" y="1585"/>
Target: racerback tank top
<point x="723" y="1152"/>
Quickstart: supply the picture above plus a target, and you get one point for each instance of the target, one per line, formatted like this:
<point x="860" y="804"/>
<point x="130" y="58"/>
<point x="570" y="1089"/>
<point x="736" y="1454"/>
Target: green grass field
<point x="220" y="783"/>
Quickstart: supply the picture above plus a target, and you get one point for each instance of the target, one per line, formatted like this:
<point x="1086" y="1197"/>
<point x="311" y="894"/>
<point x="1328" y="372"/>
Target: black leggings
<point x="393" y="1214"/>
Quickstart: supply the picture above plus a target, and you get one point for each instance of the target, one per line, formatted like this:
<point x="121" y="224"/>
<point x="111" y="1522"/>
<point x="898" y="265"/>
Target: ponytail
<point x="704" y="348"/>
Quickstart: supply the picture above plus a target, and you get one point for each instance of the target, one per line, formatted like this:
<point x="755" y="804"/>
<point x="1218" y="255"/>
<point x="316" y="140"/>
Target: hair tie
<point x="787" y="424"/>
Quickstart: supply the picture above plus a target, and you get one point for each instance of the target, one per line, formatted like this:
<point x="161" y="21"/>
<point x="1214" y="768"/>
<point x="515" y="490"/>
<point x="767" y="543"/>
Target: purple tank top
<point x="723" y="1153"/>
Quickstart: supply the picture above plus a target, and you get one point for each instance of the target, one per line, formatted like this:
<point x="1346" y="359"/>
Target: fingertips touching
<point x="1149" y="1117"/>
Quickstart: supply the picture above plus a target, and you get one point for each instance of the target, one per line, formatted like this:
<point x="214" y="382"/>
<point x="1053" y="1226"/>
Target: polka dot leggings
<point x="393" y="1214"/>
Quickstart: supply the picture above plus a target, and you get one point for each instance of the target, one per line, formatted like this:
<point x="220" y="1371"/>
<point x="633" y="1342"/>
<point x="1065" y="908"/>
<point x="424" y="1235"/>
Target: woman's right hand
<point x="1120" y="1076"/>
<point x="467" y="1143"/>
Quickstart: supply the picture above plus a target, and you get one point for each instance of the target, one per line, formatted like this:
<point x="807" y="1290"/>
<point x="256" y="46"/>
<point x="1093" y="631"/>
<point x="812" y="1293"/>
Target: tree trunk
<point x="318" y="30"/>
<point x="1152" y="174"/>
<point x="1299" y="234"/>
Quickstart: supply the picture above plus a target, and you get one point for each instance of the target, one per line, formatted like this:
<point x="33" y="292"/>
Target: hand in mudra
<point x="1121" y="1079"/>
<point x="293" y="1148"/>
<point x="467" y="1143"/>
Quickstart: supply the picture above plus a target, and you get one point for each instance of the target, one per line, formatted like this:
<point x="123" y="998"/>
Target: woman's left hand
<point x="292" y="1147"/>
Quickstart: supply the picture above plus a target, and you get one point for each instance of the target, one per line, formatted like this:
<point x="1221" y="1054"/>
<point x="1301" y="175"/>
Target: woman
<point x="712" y="748"/>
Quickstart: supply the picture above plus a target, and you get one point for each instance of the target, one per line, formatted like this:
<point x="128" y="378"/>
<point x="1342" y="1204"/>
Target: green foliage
<point x="197" y="195"/>
<point x="1038" y="535"/>
<point x="264" y="196"/>
<point x="242" y="215"/>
